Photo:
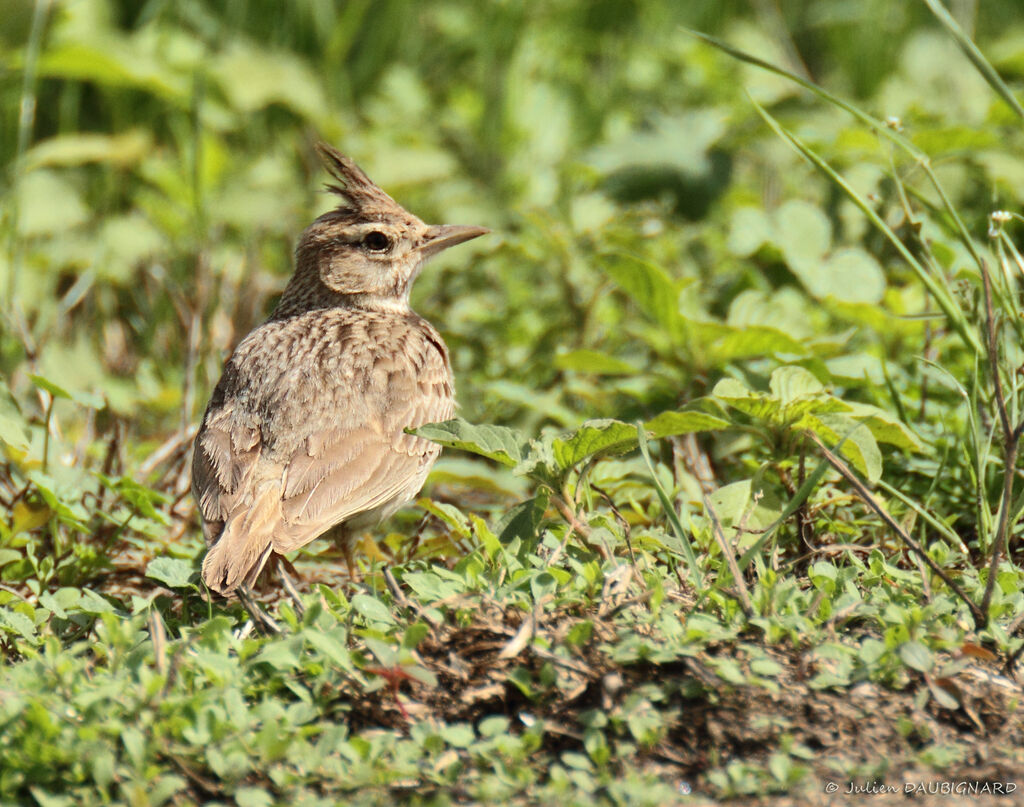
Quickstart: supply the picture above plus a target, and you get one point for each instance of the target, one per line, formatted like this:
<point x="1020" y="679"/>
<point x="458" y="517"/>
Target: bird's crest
<point x="357" y="190"/>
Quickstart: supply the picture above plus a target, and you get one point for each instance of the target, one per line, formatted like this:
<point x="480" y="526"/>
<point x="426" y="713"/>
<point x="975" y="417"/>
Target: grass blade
<point x="696" y="578"/>
<point x="972" y="52"/>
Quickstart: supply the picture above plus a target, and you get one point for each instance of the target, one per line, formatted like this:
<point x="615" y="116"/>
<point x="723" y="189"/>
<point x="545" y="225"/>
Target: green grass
<point x="727" y="510"/>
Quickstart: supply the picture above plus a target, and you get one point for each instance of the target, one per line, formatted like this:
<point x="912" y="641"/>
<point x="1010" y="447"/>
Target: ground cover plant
<point x="732" y="505"/>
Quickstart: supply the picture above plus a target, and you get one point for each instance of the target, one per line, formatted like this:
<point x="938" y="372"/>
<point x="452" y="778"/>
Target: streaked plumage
<point x="304" y="433"/>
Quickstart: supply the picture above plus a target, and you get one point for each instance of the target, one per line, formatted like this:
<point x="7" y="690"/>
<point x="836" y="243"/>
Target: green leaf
<point x="57" y="391"/>
<point x="93" y="603"/>
<point x="386" y="654"/>
<point x="849" y="275"/>
<point x="789" y="383"/>
<point x="113" y="62"/>
<point x="498" y="443"/>
<point x="253" y="797"/>
<point x="330" y="647"/>
<point x="592" y="439"/>
<point x="140" y="497"/>
<point x="860" y="447"/>
<point x="752" y="340"/>
<point x="15" y="622"/>
<point x="916" y="656"/>
<point x="172" y="572"/>
<point x="523" y="520"/>
<point x="650" y="287"/>
<point x="13" y="427"/>
<point x="668" y="424"/>
<point x="79" y="148"/>
<point x="749" y="229"/>
<point x="49" y="204"/>
<point x="886" y="428"/>
<point x="9" y="556"/>
<point x="372" y="608"/>
<point x="803" y="234"/>
<point x="594" y="362"/>
<point x="730" y="501"/>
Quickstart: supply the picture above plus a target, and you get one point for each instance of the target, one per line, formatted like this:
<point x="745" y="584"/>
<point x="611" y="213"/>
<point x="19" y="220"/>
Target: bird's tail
<point x="245" y="544"/>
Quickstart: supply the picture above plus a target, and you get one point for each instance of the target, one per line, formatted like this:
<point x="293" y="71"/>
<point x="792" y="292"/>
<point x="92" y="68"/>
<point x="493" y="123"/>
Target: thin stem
<point x="742" y="596"/>
<point x="1011" y="443"/>
<point x="862" y="490"/>
<point x="46" y="434"/>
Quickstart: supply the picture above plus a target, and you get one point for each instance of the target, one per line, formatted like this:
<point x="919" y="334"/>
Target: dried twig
<point x="742" y="595"/>
<point x="977" y="614"/>
<point x="1011" y="443"/>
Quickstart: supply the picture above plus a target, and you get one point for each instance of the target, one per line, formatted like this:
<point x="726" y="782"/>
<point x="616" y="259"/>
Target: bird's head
<point x="369" y="246"/>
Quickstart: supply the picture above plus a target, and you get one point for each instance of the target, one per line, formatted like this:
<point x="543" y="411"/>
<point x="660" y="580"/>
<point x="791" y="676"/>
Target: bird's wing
<point x="225" y="457"/>
<point x="342" y="471"/>
<point x="352" y="459"/>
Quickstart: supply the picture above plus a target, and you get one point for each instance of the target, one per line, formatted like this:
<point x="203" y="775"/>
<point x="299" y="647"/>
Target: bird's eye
<point x="377" y="242"/>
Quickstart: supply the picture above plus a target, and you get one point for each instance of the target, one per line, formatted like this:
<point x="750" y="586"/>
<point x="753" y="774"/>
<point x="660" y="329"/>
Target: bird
<point x="305" y="433"/>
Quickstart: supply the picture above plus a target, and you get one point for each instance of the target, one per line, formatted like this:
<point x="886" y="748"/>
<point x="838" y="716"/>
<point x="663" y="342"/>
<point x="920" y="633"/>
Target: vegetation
<point x="732" y="507"/>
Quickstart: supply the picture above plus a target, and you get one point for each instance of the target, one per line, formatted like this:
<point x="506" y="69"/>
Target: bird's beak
<point x="442" y="236"/>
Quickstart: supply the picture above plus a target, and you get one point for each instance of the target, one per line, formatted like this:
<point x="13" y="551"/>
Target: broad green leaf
<point x="387" y="655"/>
<point x="93" y="603"/>
<point x="791" y="382"/>
<point x="62" y="498"/>
<point x="13" y="426"/>
<point x="732" y="388"/>
<point x="79" y="148"/>
<point x="372" y="608"/>
<point x="593" y="438"/>
<point x="498" y="443"/>
<point x="330" y="647"/>
<point x="26" y="516"/>
<point x="270" y="76"/>
<point x="253" y="797"/>
<point x="683" y="422"/>
<point x="16" y="622"/>
<point x="860" y="447"/>
<point x="804" y="234"/>
<point x="172" y="572"/>
<point x="594" y="362"/>
<point x="749" y="229"/>
<point x="48" y="204"/>
<point x="916" y="656"/>
<point x="57" y="391"/>
<point x="649" y="286"/>
<point x="114" y="62"/>
<point x="730" y="501"/>
<point x="886" y="428"/>
<point x="9" y="556"/>
<point x="849" y="275"/>
<point x="753" y="340"/>
<point x="61" y="601"/>
<point x="523" y="520"/>
<point x="791" y="400"/>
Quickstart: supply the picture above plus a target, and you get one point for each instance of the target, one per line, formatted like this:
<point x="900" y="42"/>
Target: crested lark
<point x="304" y="435"/>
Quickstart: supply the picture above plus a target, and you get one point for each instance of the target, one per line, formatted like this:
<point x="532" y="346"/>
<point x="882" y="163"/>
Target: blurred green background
<point x="153" y="193"/>
<point x="651" y="234"/>
<point x="652" y="238"/>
